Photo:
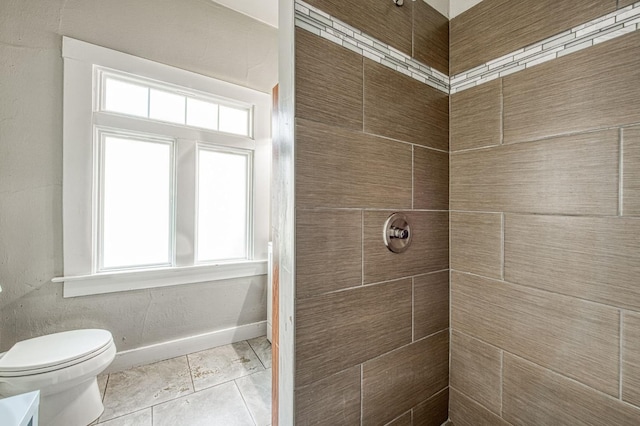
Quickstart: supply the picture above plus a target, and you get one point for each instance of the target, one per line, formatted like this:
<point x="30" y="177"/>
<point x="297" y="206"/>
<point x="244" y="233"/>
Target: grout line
<point x="621" y="173"/>
<point x="501" y="383"/>
<point x="361" y="394"/>
<point x="408" y="344"/>
<point x="473" y="401"/>
<point x="257" y="356"/>
<point x="450" y="330"/>
<point x="621" y="359"/>
<point x="106" y="385"/>
<point x="413" y="30"/>
<point x="413" y="172"/>
<point x="502" y="244"/>
<point x="362" y="248"/>
<point x="364" y="285"/>
<point x="246" y="406"/>
<point x="477" y="339"/>
<point x="537" y="289"/>
<point x="390" y="210"/>
<point x="133" y="412"/>
<point x="364" y="88"/>
<point x="389" y="138"/>
<point x="543" y="138"/>
<point x="501" y="111"/>
<point x="404" y="413"/>
<point x="583" y="216"/>
<point x="193" y="383"/>
<point x="413" y="309"/>
<point x="577" y="382"/>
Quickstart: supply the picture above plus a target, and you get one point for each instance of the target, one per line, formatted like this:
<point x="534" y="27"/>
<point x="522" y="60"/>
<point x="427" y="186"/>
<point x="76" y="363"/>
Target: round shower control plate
<point x="397" y="233"/>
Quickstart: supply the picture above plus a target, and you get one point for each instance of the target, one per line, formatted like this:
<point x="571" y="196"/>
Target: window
<point x="166" y="174"/>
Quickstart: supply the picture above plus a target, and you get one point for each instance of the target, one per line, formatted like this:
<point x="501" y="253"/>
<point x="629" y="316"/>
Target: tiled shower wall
<point x="545" y="218"/>
<point x="371" y="327"/>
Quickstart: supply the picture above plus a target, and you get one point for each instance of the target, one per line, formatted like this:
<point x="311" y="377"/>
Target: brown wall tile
<point x="536" y="396"/>
<point x="464" y="411"/>
<point x="331" y="401"/>
<point x="399" y="107"/>
<point x="631" y="171"/>
<point x="590" y="258"/>
<point x="476" y="370"/>
<point x="327" y="237"/>
<point x="339" y="330"/>
<point x="397" y="381"/>
<point x="572" y="174"/>
<point x="589" y="89"/>
<point x="404" y="420"/>
<point x="476" y="243"/>
<point x="571" y="336"/>
<point x="429" y="250"/>
<point x="432" y="412"/>
<point x="476" y="116"/>
<point x="328" y="82"/>
<point x="631" y="358"/>
<point x="625" y="3"/>
<point x="430" y="179"/>
<point x="430" y="304"/>
<point x="496" y="27"/>
<point x="382" y="20"/>
<point x="342" y="168"/>
<point x="430" y="37"/>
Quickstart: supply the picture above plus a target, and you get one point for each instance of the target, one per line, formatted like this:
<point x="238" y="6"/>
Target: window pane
<point x="222" y="206"/>
<point x="137" y="203"/>
<point x="202" y="114"/>
<point x="167" y="106"/>
<point x="234" y="120"/>
<point x="126" y="98"/>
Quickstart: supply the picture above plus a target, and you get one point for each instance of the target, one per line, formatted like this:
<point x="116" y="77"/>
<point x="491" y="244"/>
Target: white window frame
<point x="83" y="63"/>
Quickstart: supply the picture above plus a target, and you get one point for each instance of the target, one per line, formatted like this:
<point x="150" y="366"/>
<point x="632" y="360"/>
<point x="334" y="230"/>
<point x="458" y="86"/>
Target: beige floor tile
<point x="220" y="405"/>
<point x="256" y="391"/>
<point x="221" y="364"/>
<point x="141" y="387"/>
<point x="262" y="347"/>
<point x="139" y="418"/>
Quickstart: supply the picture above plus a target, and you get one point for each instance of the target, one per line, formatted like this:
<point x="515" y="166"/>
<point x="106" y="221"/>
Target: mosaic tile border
<point x="599" y="30"/>
<point x="322" y="24"/>
<point x="604" y="28"/>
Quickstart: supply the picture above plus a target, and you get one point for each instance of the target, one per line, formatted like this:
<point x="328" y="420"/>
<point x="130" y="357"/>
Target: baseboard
<point x="173" y="348"/>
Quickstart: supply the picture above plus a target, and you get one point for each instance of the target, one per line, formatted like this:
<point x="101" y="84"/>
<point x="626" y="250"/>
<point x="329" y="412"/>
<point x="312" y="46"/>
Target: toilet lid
<point x="54" y="350"/>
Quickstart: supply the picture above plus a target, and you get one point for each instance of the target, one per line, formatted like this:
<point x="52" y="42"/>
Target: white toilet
<point x="64" y="367"/>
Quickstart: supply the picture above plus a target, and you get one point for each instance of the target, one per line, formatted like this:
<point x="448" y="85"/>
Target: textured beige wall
<point x="197" y="35"/>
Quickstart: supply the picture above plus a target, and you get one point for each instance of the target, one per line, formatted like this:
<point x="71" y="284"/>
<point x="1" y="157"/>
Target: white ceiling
<point x="452" y="8"/>
<point x="267" y="10"/>
<point x="263" y="10"/>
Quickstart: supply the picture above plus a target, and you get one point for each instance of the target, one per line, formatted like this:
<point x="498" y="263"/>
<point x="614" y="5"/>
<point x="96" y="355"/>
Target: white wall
<point x="197" y="35"/>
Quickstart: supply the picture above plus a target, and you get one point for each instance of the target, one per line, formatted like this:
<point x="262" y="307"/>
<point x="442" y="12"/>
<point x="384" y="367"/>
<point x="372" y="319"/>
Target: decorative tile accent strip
<point x="322" y="24"/>
<point x="601" y="29"/>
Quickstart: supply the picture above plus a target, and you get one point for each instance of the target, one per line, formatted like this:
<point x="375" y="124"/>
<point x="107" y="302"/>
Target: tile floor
<point x="228" y="386"/>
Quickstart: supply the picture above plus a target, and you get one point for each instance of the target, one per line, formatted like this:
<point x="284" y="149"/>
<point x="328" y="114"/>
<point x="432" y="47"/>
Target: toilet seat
<point x="54" y="352"/>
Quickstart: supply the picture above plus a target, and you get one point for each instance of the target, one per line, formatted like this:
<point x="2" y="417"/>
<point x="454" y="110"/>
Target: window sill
<point x="112" y="282"/>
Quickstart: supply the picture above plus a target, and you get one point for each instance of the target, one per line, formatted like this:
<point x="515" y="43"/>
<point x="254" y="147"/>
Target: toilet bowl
<point x="64" y="367"/>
